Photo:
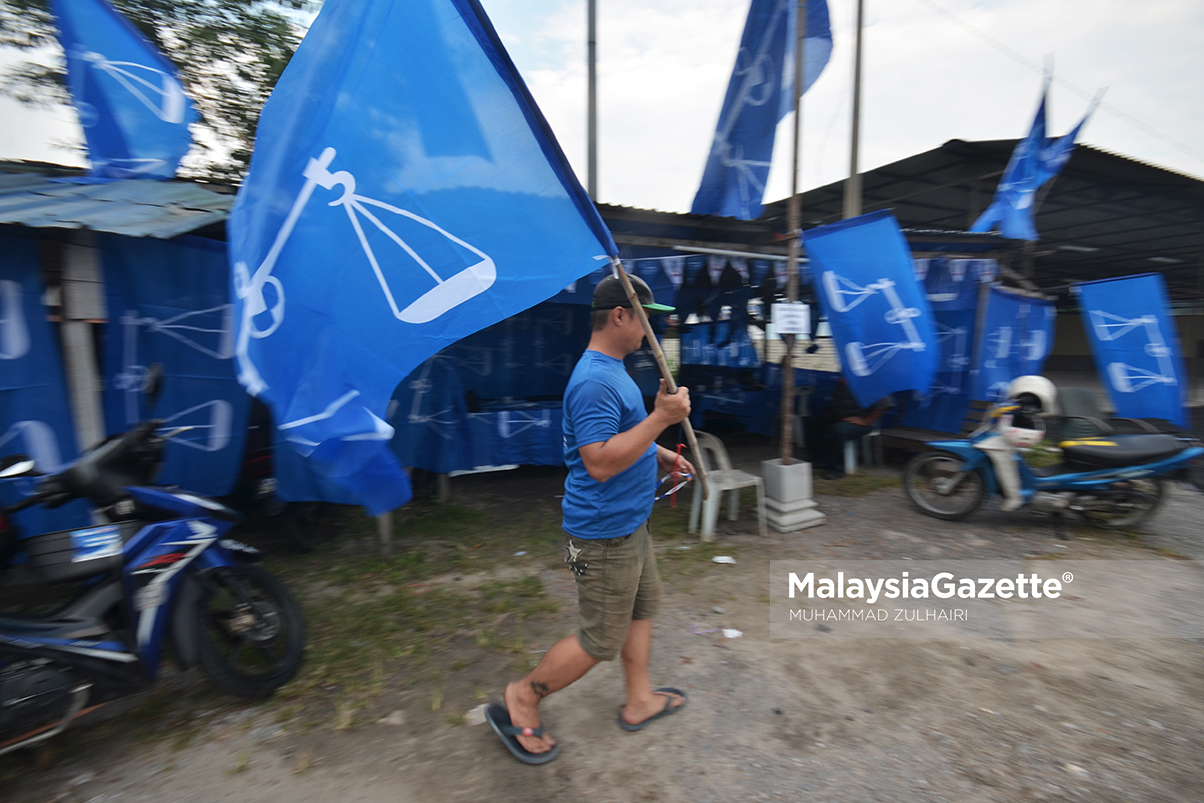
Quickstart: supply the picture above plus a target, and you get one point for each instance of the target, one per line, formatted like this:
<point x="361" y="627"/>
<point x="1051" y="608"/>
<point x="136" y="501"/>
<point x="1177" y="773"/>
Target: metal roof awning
<point x="134" y="207"/>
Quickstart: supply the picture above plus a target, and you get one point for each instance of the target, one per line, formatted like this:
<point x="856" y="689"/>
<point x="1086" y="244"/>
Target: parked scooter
<point x="1110" y="480"/>
<point x="160" y="570"/>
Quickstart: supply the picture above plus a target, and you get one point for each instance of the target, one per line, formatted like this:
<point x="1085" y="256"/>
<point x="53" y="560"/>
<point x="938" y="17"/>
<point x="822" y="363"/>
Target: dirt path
<point x="812" y="719"/>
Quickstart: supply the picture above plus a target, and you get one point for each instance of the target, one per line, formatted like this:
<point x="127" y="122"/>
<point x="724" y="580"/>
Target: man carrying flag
<point x="611" y="451"/>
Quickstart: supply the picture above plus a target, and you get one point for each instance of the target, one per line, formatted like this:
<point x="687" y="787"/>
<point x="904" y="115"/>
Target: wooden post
<point x="384" y="528"/>
<point x="670" y="385"/>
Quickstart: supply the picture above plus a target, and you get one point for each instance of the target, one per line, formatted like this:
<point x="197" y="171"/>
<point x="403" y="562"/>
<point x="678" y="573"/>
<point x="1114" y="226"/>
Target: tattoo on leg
<point x="541" y="689"/>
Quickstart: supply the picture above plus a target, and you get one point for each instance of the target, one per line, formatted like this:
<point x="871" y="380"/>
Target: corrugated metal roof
<point x="136" y="208"/>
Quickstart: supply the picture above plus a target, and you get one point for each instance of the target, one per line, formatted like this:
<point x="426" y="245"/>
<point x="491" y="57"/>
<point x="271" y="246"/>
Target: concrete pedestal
<point x="788" y="503"/>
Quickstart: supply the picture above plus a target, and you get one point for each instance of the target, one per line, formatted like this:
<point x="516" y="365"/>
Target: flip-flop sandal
<point x="499" y="719"/>
<point x="668" y="711"/>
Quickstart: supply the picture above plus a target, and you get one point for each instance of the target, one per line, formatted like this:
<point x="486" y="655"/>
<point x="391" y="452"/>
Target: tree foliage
<point x="229" y="53"/>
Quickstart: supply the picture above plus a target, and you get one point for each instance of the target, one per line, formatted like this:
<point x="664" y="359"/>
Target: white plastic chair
<point x="723" y="480"/>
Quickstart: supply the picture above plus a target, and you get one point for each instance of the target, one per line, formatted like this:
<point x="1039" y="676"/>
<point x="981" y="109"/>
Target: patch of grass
<point x="861" y="484"/>
<point x="695" y="561"/>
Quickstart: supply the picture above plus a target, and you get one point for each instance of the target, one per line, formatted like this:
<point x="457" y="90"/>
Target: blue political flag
<point x="133" y="110"/>
<point x="1056" y="152"/>
<point x="1017" y="335"/>
<point x="1011" y="211"/>
<point x="182" y="320"/>
<point x="1035" y="160"/>
<point x="1136" y="346"/>
<point x="759" y="95"/>
<point x="405" y="192"/>
<point x="881" y="320"/>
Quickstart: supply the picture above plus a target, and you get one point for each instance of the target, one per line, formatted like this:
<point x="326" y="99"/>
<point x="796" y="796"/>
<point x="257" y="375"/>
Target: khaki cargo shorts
<point x="617" y="581"/>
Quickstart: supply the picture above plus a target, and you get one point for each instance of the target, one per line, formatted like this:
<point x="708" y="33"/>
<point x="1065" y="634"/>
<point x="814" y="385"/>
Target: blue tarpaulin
<point x="405" y="192"/>
<point x="758" y="96"/>
<point x="881" y="320"/>
<point x="133" y="110"/>
<point x="1017" y="335"/>
<point x="35" y="419"/>
<point x="169" y="303"/>
<point x="1136" y="346"/>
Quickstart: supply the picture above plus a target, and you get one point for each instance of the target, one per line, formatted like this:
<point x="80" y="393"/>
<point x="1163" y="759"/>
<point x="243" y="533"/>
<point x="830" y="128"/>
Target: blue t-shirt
<point x="601" y="401"/>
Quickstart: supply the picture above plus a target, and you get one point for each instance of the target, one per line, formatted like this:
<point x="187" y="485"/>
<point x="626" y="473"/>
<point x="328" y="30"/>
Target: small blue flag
<point x="1036" y="159"/>
<point x="405" y="192"/>
<point x="133" y="110"/>
<point x="881" y="320"/>
<point x="758" y="96"/>
<point x="1012" y="207"/>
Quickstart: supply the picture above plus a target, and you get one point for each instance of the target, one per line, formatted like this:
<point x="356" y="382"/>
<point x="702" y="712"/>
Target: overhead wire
<point x="1074" y="89"/>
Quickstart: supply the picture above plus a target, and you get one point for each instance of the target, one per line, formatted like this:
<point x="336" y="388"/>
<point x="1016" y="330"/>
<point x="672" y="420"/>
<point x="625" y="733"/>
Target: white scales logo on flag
<point x="446" y="294"/>
<point x="865" y="359"/>
<point x="212" y="419"/>
<point x="158" y="91"/>
<point x="1128" y="378"/>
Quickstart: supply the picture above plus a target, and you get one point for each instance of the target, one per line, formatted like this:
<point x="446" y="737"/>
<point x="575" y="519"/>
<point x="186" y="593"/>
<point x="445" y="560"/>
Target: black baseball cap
<point x="610" y="294"/>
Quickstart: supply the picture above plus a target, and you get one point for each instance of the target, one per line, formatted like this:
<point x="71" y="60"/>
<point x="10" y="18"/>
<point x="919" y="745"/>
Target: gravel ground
<point x="837" y="720"/>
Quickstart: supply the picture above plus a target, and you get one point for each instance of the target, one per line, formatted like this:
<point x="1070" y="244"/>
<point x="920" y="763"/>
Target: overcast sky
<point x="664" y="67"/>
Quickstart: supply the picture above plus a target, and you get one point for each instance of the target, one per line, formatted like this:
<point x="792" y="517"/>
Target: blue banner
<point x="1136" y="346"/>
<point x="180" y="317"/>
<point x="881" y="320"/>
<point x="35" y="419"/>
<point x="133" y="110"/>
<point x="758" y="96"/>
<point x="405" y="192"/>
<point x="1017" y="335"/>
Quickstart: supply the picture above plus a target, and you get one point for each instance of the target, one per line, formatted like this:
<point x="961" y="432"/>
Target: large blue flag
<point x="758" y="96"/>
<point x="881" y="320"/>
<point x="133" y="110"/>
<point x="1136" y="346"/>
<point x="405" y="192"/>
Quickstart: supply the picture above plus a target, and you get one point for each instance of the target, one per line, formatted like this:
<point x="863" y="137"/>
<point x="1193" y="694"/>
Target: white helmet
<point x="1035" y="394"/>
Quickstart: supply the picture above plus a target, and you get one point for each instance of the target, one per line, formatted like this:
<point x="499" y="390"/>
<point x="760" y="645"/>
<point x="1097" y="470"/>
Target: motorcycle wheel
<point x="926" y="483"/>
<point x="1132" y="503"/>
<point x="251" y="636"/>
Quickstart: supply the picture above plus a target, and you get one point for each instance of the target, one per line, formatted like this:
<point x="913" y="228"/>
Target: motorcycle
<point x="1113" y="480"/>
<point x="160" y="571"/>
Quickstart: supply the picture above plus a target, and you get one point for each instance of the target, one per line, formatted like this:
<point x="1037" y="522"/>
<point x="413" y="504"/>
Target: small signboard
<point x="791" y="319"/>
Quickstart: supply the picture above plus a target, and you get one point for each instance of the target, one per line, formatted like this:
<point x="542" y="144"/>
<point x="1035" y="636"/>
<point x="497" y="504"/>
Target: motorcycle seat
<point x="1118" y="451"/>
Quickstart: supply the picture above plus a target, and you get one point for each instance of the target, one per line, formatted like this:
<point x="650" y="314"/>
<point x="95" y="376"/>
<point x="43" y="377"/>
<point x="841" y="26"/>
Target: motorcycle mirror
<point x="153" y="384"/>
<point x="15" y="466"/>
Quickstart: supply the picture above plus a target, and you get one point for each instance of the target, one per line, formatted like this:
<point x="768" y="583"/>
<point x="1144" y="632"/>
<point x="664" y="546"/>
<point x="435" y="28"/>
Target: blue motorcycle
<point x="1112" y="480"/>
<point x="160" y="571"/>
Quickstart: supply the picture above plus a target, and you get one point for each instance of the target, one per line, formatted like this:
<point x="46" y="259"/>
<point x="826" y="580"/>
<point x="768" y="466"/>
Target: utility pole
<point x="795" y="223"/>
<point x="852" y="187"/>
<point x="591" y="171"/>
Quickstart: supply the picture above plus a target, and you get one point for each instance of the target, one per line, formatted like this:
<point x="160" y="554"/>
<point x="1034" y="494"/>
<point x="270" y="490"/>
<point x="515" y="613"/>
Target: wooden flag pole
<point x="670" y="385"/>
